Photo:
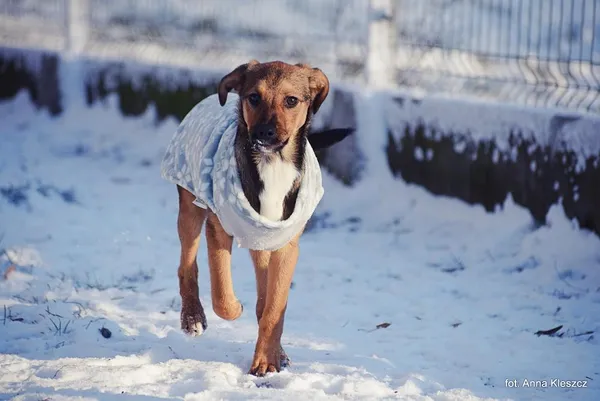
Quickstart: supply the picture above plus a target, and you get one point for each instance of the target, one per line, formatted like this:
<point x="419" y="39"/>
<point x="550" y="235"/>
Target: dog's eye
<point x="254" y="99"/>
<point x="291" y="101"/>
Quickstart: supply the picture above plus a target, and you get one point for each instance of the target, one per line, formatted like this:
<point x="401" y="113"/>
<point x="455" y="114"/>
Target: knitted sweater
<point x="201" y="159"/>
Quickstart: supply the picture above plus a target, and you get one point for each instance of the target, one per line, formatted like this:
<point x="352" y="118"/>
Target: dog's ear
<point x="233" y="81"/>
<point x="319" y="88"/>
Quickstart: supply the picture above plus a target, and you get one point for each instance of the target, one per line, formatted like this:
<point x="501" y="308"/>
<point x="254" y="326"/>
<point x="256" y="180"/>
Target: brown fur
<point x="189" y="226"/>
<point x="274" y="83"/>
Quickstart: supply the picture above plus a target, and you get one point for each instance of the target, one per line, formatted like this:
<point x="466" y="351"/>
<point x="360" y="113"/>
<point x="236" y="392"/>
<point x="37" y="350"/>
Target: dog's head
<point x="277" y="100"/>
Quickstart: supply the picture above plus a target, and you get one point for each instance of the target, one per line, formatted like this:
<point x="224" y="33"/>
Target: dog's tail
<point x="326" y="138"/>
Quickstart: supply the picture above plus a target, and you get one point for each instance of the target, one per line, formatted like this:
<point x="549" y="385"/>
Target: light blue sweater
<point x="201" y="159"/>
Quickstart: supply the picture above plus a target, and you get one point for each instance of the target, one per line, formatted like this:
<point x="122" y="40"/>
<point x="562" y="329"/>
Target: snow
<point x="90" y="227"/>
<point x="477" y="120"/>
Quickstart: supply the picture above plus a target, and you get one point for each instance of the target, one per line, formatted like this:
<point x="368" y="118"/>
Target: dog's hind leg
<point x="225" y="303"/>
<point x="189" y="226"/>
<point x="260" y="259"/>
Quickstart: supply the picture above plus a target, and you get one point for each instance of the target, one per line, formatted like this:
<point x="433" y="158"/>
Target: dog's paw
<point x="269" y="363"/>
<point x="261" y="368"/>
<point x="193" y="323"/>
<point x="230" y="311"/>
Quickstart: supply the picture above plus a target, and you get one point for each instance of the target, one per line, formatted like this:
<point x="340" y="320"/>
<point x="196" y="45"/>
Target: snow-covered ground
<point x="397" y="295"/>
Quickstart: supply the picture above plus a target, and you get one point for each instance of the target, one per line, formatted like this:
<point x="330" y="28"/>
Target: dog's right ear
<point x="233" y="81"/>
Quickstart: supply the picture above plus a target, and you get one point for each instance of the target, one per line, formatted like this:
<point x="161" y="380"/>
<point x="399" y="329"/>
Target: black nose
<point x="265" y="132"/>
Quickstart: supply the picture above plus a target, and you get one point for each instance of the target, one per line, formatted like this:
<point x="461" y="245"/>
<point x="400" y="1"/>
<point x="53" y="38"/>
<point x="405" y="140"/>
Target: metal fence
<point x="539" y="52"/>
<point x="33" y="23"/>
<point x="224" y="32"/>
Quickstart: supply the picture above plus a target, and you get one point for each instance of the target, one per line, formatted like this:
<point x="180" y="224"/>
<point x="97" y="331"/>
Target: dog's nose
<point x="265" y="132"/>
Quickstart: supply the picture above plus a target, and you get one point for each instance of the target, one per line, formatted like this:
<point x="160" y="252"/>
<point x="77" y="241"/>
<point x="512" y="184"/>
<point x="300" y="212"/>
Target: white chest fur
<point x="277" y="176"/>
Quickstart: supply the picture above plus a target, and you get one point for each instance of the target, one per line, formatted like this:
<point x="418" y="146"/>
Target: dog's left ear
<point x="233" y="81"/>
<point x="319" y="88"/>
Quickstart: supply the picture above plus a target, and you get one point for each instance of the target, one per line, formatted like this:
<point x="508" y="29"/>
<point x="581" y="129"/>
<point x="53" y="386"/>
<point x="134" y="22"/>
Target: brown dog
<point x="276" y="103"/>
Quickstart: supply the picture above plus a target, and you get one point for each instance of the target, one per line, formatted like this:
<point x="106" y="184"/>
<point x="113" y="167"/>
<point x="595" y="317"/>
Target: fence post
<point x="381" y="47"/>
<point x="77" y="14"/>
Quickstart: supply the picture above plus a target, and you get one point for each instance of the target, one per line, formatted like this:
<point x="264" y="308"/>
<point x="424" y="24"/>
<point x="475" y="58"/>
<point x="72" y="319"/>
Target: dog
<point x="244" y="165"/>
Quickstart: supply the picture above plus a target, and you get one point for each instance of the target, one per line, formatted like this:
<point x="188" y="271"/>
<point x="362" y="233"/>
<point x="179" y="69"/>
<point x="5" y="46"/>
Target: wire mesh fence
<point x="29" y="23"/>
<point x="541" y="52"/>
<point x="228" y="31"/>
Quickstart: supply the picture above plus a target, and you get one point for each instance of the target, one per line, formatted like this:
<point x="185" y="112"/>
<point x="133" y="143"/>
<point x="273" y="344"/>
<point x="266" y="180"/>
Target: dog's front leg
<point x="267" y="354"/>
<point x="189" y="226"/>
<point x="261" y="261"/>
<point x="225" y="303"/>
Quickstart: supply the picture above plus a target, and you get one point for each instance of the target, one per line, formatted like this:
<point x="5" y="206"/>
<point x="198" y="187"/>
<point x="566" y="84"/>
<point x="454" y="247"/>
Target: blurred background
<point x="455" y="253"/>
<point x="535" y="52"/>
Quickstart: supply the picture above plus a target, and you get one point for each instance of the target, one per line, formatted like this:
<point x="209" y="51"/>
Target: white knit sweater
<point x="201" y="159"/>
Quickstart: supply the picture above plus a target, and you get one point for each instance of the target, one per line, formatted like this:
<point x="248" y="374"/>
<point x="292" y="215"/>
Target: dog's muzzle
<point x="264" y="139"/>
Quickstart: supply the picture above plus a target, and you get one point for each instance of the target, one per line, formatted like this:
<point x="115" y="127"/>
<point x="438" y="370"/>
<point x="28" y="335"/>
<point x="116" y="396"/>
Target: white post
<point x="77" y="15"/>
<point x="381" y="47"/>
